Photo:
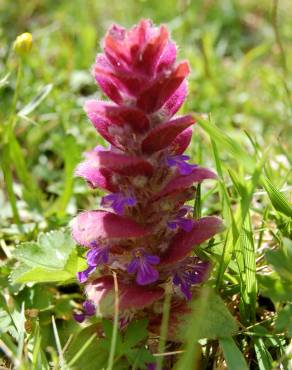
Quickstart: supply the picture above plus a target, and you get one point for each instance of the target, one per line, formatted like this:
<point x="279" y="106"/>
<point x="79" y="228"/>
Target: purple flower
<point x="142" y="265"/>
<point x="192" y="272"/>
<point x="180" y="221"/>
<point x="97" y="255"/>
<point x="118" y="202"/>
<point x="82" y="276"/>
<point x="88" y="310"/>
<point x="179" y="161"/>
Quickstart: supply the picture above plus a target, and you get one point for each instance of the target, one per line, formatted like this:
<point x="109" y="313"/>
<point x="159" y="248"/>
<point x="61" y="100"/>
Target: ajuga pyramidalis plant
<point x="143" y="232"/>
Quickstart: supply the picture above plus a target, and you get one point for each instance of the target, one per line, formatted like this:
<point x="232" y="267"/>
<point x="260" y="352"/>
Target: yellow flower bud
<point x="23" y="43"/>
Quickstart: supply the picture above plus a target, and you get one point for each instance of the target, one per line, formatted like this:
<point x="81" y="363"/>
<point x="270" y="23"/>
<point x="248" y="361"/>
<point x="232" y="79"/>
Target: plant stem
<point x="115" y="327"/>
<point x="6" y="161"/>
<point x="164" y="327"/>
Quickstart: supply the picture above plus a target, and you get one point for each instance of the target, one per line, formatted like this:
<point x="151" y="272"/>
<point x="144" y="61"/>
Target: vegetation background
<point x="240" y="52"/>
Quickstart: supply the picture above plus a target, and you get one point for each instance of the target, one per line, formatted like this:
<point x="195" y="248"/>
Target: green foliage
<point x="52" y="258"/>
<point x="232" y="355"/>
<point x="263" y="357"/>
<point x="281" y="262"/>
<point x="217" y="321"/>
<point x="284" y="320"/>
<point x="90" y="352"/>
<point x="277" y="198"/>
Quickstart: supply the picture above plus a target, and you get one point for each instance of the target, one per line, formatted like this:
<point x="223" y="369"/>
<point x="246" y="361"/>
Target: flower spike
<point x="145" y="233"/>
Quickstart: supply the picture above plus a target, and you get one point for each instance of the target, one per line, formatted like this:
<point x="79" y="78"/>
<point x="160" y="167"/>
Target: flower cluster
<point x="144" y="232"/>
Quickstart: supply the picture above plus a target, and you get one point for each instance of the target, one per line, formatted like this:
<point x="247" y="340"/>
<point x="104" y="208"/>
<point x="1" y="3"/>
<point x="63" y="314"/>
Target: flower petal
<point x="182" y="141"/>
<point x="164" y="134"/>
<point x="96" y="177"/>
<point x="93" y="225"/>
<point x="79" y="317"/>
<point x="123" y="164"/>
<point x="82" y="276"/>
<point x="183" y="242"/>
<point x="101" y="292"/>
<point x="153" y="97"/>
<point x="106" y="114"/>
<point x="146" y="275"/>
<point x="167" y="58"/>
<point x="89" y="308"/>
<point x="176" y="100"/>
<point x="153" y="50"/>
<point x="104" y="162"/>
<point x="109" y="84"/>
<point x="180" y="183"/>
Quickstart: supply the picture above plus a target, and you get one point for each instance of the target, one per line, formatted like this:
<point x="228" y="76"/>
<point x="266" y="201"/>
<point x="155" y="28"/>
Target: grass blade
<point x="58" y="344"/>
<point x="248" y="273"/>
<point x="277" y="199"/>
<point x="233" y="357"/>
<point x="5" y="164"/>
<point x="230" y="145"/>
<point x="36" y="101"/>
<point x="262" y="354"/>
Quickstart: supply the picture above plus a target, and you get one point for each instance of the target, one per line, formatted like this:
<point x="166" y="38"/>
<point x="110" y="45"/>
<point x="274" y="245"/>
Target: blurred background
<point x="240" y="53"/>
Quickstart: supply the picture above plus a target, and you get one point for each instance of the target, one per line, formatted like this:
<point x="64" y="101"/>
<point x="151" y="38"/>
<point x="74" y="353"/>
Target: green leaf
<point x="26" y="274"/>
<point x="135" y="333"/>
<point x="139" y="357"/>
<point x="93" y="357"/>
<point x="284" y="320"/>
<point x="60" y="269"/>
<point x="39" y="275"/>
<point x="214" y="322"/>
<point x="217" y="321"/>
<point x="281" y="262"/>
<point x="5" y="321"/>
<point x="108" y="330"/>
<point x="51" y="251"/>
<point x="263" y="356"/>
<point x="190" y="332"/>
<point x="278" y="200"/>
<point x="233" y="357"/>
<point x="4" y="80"/>
<point x="275" y="288"/>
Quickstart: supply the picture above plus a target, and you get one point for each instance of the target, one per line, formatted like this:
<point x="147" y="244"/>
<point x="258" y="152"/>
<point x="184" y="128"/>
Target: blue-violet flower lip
<point x="97" y="255"/>
<point x="118" y="202"/>
<point x="142" y="265"/>
<point x="83" y="275"/>
<point x="179" y="161"/>
<point x="179" y="221"/>
<point x="191" y="273"/>
<point x="89" y="308"/>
